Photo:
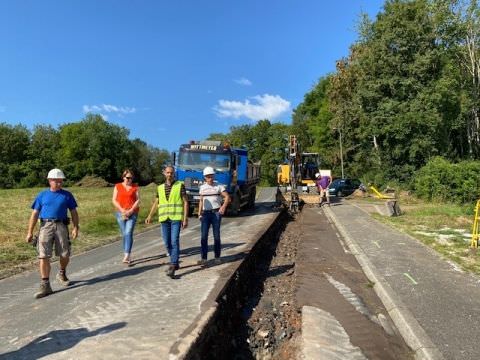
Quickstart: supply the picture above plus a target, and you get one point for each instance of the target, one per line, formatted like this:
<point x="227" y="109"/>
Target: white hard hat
<point x="56" y="174"/>
<point x="317" y="175"/>
<point x="208" y="171"/>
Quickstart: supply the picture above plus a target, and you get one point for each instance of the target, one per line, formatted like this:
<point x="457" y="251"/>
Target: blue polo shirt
<point x="54" y="204"/>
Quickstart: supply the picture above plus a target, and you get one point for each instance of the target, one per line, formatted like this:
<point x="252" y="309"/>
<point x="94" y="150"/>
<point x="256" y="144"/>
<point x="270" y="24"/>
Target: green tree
<point x="14" y="144"/>
<point x="457" y="24"/>
<point x="42" y="155"/>
<point x="94" y="147"/>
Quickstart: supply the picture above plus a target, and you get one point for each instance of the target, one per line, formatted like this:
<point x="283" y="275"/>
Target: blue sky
<point x="170" y="71"/>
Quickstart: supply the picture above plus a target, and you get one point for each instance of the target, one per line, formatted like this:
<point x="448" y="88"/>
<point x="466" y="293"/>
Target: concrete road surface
<point x="112" y="311"/>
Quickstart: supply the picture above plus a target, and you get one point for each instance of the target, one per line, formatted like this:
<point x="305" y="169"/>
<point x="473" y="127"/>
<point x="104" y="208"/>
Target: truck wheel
<point x="251" y="199"/>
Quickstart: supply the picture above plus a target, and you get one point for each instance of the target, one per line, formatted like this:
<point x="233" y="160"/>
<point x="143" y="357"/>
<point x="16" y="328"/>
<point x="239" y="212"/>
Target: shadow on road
<point x="210" y="263"/>
<point x="132" y="270"/>
<point x="57" y="341"/>
<point x="195" y="250"/>
<point x="116" y="275"/>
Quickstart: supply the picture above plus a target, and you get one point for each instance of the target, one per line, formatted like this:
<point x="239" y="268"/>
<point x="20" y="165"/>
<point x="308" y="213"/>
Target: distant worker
<point x="126" y="200"/>
<point x="210" y="212"/>
<point x="322" y="184"/>
<point x="51" y="207"/>
<point x="172" y="204"/>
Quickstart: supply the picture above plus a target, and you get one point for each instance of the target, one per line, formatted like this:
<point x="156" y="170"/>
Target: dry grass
<point x="97" y="223"/>
<point x="446" y="228"/>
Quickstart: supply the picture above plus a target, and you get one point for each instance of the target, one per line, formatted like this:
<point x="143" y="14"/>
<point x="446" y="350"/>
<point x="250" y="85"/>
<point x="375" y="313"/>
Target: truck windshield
<point x="198" y="160"/>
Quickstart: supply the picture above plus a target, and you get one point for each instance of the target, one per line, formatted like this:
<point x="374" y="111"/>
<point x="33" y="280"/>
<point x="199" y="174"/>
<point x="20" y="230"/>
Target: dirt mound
<point x="93" y="181"/>
<point x="359" y="193"/>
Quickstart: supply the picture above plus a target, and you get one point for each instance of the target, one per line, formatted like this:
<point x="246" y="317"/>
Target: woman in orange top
<point x="126" y="200"/>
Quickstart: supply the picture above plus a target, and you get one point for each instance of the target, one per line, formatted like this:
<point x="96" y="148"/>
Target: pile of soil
<point x="93" y="182"/>
<point x="359" y="193"/>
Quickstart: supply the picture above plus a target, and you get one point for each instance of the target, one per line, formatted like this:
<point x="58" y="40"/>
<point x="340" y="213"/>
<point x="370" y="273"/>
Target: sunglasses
<point x="128" y="177"/>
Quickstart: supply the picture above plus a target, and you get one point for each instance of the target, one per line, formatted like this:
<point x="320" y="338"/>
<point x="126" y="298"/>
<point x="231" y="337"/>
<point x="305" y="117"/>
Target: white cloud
<point x="263" y="107"/>
<point x="121" y="110"/>
<point x="243" y="81"/>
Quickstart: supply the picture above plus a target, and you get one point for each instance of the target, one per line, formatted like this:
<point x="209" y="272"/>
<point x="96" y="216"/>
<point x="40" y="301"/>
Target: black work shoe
<point x="62" y="279"/>
<point x="171" y="271"/>
<point x="44" y="290"/>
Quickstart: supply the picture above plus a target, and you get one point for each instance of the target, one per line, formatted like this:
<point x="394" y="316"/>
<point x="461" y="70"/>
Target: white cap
<point x="56" y="174"/>
<point x="317" y="175"/>
<point x="208" y="171"/>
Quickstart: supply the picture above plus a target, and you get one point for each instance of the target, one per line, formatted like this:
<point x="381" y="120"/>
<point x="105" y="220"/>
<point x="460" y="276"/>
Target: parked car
<point x="343" y="187"/>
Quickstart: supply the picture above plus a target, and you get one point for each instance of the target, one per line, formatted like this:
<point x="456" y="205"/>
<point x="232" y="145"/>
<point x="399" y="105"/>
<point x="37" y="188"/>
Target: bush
<point x="444" y="181"/>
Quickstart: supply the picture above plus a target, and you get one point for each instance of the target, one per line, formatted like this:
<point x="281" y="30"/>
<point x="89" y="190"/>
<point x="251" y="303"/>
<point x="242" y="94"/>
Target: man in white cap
<point x="51" y="207"/>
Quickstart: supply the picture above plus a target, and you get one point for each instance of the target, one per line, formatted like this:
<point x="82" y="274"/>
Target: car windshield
<point x="336" y="182"/>
<point x="190" y="160"/>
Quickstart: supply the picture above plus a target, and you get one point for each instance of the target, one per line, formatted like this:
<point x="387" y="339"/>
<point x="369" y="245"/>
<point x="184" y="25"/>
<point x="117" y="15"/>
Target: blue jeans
<point x="171" y="238"/>
<point x="126" y="228"/>
<point x="214" y="219"/>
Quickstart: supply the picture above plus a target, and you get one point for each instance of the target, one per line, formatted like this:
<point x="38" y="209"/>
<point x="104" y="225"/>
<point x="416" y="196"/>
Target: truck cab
<point x="232" y="169"/>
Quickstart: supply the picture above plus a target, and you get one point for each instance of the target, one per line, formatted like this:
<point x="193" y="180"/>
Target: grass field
<point x="97" y="223"/>
<point x="446" y="228"/>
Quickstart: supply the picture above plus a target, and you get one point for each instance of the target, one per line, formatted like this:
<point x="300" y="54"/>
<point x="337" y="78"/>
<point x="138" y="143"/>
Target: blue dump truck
<point x="232" y="169"/>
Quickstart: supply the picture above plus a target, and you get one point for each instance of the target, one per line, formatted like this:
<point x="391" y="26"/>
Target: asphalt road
<point x="437" y="296"/>
<point x="111" y="311"/>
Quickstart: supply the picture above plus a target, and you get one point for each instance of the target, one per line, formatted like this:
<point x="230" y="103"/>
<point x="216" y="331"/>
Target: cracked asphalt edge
<point x="409" y="328"/>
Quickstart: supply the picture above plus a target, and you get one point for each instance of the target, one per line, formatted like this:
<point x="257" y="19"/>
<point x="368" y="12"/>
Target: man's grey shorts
<point x="53" y="232"/>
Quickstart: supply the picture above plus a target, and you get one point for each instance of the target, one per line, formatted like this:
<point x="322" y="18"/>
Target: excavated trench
<point x="257" y="317"/>
<point x="259" y="310"/>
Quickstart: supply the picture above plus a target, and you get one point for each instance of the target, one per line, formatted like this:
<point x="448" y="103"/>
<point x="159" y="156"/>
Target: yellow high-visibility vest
<point x="173" y="207"/>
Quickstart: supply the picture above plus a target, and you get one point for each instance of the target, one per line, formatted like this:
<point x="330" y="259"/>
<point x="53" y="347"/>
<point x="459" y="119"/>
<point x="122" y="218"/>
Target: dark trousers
<point x="214" y="219"/>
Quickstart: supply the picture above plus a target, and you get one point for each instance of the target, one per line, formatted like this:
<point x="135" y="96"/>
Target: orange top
<point x="126" y="198"/>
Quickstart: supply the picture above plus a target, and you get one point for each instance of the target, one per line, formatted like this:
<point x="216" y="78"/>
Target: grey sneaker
<point x="62" y="279"/>
<point x="44" y="290"/>
<point x="202" y="262"/>
<point x="217" y="261"/>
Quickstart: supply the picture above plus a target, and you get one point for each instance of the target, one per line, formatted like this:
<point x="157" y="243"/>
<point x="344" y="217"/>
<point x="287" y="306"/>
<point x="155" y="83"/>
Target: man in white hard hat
<point x="210" y="212"/>
<point x="51" y="207"/>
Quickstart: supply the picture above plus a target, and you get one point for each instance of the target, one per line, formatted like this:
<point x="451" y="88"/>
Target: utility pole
<point x="341" y="151"/>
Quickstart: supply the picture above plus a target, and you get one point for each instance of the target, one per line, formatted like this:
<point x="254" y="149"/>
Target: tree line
<point x="407" y="93"/>
<point x="91" y="146"/>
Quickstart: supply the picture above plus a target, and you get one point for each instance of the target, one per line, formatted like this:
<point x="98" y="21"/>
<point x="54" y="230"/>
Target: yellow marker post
<point x="474" y="243"/>
<point x="378" y="194"/>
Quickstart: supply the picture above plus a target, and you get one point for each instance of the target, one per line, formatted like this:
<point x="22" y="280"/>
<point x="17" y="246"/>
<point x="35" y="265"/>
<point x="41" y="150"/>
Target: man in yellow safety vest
<point x="172" y="204"/>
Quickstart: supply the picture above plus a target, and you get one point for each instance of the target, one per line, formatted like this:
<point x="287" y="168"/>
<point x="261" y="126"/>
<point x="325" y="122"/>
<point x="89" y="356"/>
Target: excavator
<point x="296" y="177"/>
